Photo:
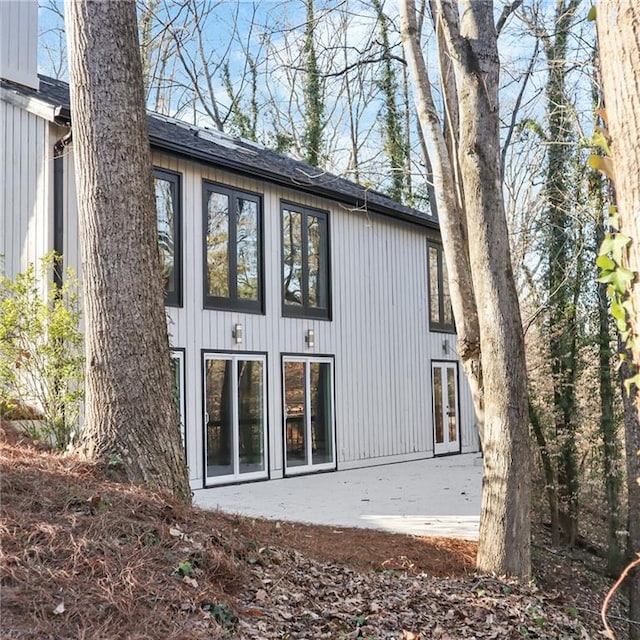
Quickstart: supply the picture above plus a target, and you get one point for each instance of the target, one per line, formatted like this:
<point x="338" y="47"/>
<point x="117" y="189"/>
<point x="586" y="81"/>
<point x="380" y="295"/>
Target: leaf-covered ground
<point x="85" y="557"/>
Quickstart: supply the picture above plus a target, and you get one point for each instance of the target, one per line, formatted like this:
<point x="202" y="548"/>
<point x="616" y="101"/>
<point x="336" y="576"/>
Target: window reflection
<point x="218" y="245"/>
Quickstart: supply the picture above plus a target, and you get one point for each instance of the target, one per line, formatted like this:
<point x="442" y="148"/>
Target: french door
<point x="235" y="417"/>
<point x="446" y="427"/>
<point x="309" y="432"/>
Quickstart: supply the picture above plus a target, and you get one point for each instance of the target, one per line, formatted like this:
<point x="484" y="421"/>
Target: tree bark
<point x="618" y="25"/>
<point x="131" y="417"/>
<point x="476" y="243"/>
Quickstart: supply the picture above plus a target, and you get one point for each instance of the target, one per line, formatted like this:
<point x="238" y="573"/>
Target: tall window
<point x="168" y="199"/>
<point x="235" y="417"/>
<point x="440" y="312"/>
<point x="305" y="262"/>
<point x="233" y="255"/>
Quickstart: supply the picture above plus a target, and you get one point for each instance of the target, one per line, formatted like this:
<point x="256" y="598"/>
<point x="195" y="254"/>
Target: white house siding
<point x="26" y="210"/>
<point x="378" y="335"/>
<point x="19" y="41"/>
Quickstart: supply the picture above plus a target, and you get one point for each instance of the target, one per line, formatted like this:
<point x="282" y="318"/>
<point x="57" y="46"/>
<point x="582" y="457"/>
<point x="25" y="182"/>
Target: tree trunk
<point x="449" y="210"/>
<point x="551" y="485"/>
<point x="131" y="416"/>
<point x="618" y="24"/>
<point x="561" y="274"/>
<point x="476" y="229"/>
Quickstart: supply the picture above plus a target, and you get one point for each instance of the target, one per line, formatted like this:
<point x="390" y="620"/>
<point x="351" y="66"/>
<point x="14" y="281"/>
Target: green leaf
<point x="185" y="568"/>
<point x="599" y="140"/>
<point x="620" y="241"/>
<point x="618" y="311"/>
<point x="635" y="380"/>
<point x="619" y="315"/>
<point x="606" y="277"/>
<point x="621" y="279"/>
<point x="591" y="16"/>
<point x="613" y="220"/>
<point x="605" y="262"/>
<point x="602" y="164"/>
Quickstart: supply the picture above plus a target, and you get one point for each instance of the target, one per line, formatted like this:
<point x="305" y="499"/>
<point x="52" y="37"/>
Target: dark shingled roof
<point x="240" y="156"/>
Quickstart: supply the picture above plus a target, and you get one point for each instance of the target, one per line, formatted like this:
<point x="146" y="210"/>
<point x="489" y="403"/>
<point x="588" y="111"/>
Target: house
<point x="309" y="316"/>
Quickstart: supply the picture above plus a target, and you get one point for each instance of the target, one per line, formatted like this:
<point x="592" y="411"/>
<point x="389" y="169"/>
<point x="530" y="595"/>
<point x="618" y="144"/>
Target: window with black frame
<point x="305" y="262"/>
<point x="168" y="210"/>
<point x="232" y="251"/>
<point x="440" y="311"/>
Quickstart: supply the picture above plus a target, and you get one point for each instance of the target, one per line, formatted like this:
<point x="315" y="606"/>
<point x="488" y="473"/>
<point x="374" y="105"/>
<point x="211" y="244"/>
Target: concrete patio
<point x="435" y="497"/>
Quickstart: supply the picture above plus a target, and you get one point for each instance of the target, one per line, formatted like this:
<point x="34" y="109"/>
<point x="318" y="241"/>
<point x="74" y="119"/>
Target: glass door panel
<point x="295" y="413"/>
<point x="438" y="419"/>
<point x="446" y="429"/>
<point x="452" y="404"/>
<point x="251" y="416"/>
<point x="308" y="414"/>
<point x="235" y="417"/>
<point x="321" y="418"/>
<point x="219" y="401"/>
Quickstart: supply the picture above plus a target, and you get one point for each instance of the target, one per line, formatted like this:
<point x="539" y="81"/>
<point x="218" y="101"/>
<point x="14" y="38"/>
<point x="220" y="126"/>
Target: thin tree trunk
<point x="452" y="221"/>
<point x="561" y="282"/>
<point x="131" y="417"/>
<point x="551" y="486"/>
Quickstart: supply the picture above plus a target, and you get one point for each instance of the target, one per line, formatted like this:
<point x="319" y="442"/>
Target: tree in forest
<point x="561" y="249"/>
<point x="313" y="95"/>
<point x="617" y="25"/>
<point x="468" y="190"/>
<point x="392" y="129"/>
<point x="562" y="275"/>
<point x="131" y="419"/>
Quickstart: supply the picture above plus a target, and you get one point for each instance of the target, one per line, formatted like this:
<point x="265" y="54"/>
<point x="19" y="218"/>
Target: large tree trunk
<point x="130" y="414"/>
<point x="475" y="229"/>
<point x="618" y="23"/>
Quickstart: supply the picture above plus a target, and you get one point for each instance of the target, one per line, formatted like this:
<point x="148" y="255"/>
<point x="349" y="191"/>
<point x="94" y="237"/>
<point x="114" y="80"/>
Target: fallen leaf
<point x="261" y="595"/>
<point x="59" y="609"/>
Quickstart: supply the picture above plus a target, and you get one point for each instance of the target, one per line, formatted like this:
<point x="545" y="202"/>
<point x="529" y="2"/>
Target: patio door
<point x="446" y="427"/>
<point x="309" y="432"/>
<point x="235" y="417"/>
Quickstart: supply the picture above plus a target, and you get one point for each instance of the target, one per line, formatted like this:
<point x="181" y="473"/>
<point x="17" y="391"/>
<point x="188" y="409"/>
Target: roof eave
<point x="314" y="189"/>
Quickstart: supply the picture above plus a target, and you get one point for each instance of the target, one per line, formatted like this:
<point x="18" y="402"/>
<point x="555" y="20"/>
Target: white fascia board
<point x="28" y="103"/>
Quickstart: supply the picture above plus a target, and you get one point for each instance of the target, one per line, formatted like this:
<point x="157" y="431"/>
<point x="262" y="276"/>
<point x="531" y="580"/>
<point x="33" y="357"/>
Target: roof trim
<point x="37" y="107"/>
<point x="162" y="144"/>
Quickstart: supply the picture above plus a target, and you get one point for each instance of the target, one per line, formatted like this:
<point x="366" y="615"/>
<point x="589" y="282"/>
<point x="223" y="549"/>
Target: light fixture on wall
<point x="445" y="345"/>
<point x="237" y="333"/>
<point x="310" y="338"/>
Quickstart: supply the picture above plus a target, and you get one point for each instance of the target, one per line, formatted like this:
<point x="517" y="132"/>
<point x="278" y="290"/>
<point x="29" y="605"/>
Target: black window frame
<point x="304" y="310"/>
<point x="439" y="326"/>
<point x="232" y="303"/>
<point x="174" y="298"/>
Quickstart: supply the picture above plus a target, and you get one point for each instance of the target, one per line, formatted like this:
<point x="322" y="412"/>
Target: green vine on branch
<point x="610" y="258"/>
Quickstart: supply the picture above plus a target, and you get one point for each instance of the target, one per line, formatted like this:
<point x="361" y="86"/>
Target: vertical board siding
<point x="19" y="41"/>
<point x="27" y="208"/>
<point x="378" y="336"/>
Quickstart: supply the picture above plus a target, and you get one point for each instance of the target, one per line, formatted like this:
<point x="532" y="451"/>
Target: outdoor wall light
<point x="237" y="333"/>
<point x="445" y="346"/>
<point x="310" y="338"/>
